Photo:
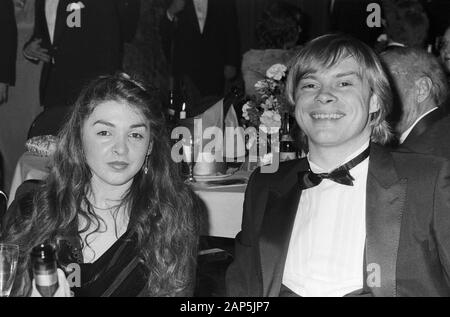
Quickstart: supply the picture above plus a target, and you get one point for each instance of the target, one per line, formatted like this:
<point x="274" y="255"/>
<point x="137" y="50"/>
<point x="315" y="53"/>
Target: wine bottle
<point x="287" y="145"/>
<point x="45" y="273"/>
<point x="171" y="106"/>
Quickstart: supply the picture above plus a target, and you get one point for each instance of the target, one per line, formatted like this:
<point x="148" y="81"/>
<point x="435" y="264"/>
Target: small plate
<point x="205" y="178"/>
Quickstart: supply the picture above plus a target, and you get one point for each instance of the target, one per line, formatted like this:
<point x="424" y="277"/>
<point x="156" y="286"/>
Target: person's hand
<point x="34" y="50"/>
<point x="229" y="72"/>
<point x="176" y="7"/>
<point x="3" y="93"/>
<point x="62" y="291"/>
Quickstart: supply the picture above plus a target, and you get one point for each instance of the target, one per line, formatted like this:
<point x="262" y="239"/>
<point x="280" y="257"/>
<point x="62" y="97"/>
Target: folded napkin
<point x="43" y="145"/>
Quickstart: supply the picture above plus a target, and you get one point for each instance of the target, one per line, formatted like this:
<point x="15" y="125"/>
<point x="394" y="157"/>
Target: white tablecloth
<point x="28" y="167"/>
<point x="224" y="204"/>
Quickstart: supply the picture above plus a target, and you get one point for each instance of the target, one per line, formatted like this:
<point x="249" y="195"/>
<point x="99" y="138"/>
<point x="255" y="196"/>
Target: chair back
<point x="49" y="122"/>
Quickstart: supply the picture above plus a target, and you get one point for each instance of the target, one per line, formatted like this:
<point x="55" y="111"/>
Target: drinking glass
<point x="9" y="255"/>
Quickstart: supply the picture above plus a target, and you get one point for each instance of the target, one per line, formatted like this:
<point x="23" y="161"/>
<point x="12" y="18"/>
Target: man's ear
<point x="423" y="88"/>
<point x="374" y="104"/>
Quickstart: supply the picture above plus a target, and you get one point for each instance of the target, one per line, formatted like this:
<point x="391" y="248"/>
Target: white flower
<point x="245" y="107"/>
<point x="276" y="71"/>
<point x="261" y="85"/>
<point x="75" y="6"/>
<point x="270" y="121"/>
<point x="270" y="103"/>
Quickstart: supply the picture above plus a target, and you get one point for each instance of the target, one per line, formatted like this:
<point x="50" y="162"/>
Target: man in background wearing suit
<point x="8" y="38"/>
<point x="352" y="218"/>
<point x="76" y="51"/>
<point x="422" y="89"/>
<point x="201" y="42"/>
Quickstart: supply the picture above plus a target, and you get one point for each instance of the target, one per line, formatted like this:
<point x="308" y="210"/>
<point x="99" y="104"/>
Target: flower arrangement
<point x="265" y="110"/>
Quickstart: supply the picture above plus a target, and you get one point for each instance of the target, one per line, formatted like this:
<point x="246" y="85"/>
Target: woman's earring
<point x="146" y="165"/>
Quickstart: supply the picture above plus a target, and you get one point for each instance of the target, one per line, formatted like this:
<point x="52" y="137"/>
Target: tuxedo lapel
<point x="61" y="20"/>
<point x="41" y="21"/>
<point x="385" y="203"/>
<point x="277" y="224"/>
<point x="193" y="15"/>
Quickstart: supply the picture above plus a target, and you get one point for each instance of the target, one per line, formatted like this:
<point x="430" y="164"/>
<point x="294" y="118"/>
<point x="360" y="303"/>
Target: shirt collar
<point x="407" y="132"/>
<point x="317" y="169"/>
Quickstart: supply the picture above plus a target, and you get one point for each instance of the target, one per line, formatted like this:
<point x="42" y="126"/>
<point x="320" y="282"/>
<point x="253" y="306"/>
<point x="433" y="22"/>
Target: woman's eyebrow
<point x="107" y="123"/>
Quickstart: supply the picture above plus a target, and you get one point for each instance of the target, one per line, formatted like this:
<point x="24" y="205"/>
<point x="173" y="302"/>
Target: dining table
<point x="222" y="195"/>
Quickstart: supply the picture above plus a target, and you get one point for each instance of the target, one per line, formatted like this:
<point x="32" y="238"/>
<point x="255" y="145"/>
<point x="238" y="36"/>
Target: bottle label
<point x="287" y="156"/>
<point x="286" y="138"/>
<point x="46" y="279"/>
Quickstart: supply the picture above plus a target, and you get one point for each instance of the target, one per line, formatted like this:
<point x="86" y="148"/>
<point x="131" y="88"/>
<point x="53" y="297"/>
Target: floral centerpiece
<point x="265" y="110"/>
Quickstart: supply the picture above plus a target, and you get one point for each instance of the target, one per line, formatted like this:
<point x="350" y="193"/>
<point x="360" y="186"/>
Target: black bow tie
<point x="341" y="175"/>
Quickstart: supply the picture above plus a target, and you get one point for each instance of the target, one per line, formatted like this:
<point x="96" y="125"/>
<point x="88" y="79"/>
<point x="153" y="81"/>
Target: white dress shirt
<point x="201" y="9"/>
<point x="51" y="9"/>
<point x="326" y="250"/>
<point x="407" y="132"/>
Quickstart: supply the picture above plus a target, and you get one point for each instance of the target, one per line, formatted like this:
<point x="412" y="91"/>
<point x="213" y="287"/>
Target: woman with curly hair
<point x="113" y="202"/>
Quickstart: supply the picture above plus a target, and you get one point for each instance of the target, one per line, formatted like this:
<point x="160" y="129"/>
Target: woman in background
<point x="113" y="201"/>
<point x="278" y="34"/>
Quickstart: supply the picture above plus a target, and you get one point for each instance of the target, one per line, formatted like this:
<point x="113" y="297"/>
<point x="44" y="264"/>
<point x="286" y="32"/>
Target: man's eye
<point x="345" y="84"/>
<point x="103" y="133"/>
<point x="308" y="86"/>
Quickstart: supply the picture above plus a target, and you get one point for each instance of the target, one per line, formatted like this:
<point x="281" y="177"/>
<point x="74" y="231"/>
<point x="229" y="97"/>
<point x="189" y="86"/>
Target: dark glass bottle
<point x="288" y="149"/>
<point x="171" y="107"/>
<point x="43" y="259"/>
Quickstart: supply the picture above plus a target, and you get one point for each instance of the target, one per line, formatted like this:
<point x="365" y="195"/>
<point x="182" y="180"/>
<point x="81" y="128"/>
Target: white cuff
<point x="170" y="16"/>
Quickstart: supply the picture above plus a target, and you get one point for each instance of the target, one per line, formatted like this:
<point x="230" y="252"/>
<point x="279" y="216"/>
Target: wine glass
<point x="9" y="255"/>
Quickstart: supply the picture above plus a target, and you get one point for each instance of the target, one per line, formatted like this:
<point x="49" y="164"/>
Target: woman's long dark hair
<point x="162" y="208"/>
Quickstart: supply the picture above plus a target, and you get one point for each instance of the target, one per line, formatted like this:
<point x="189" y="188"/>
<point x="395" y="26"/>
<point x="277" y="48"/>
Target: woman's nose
<point x="120" y="146"/>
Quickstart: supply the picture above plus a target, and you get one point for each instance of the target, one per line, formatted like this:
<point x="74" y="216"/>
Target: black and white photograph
<point x="225" y="152"/>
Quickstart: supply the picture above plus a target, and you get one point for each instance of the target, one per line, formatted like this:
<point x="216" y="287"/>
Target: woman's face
<point x="116" y="140"/>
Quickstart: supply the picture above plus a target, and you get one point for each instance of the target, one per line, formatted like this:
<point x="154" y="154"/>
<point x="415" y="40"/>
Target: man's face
<point x="333" y="107"/>
<point x="405" y="89"/>
<point x="445" y="50"/>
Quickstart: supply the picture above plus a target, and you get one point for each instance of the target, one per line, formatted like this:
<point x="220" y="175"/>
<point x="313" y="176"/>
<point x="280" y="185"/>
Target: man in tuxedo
<point x="8" y="38"/>
<point x="422" y="89"/>
<point x="352" y="218"/>
<point x="406" y="24"/>
<point x="77" y="41"/>
<point x="201" y="43"/>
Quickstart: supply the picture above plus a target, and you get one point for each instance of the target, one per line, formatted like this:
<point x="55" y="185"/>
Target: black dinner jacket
<point x="80" y="54"/>
<point x="8" y="40"/>
<point x="201" y="57"/>
<point x="407" y="221"/>
<point x="431" y="135"/>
